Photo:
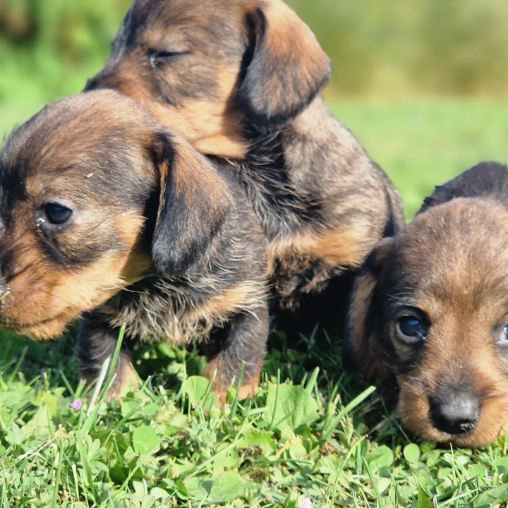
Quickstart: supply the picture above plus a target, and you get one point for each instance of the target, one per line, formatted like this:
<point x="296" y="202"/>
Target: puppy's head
<point x="431" y="308"/>
<point x="209" y="67"/>
<point x="93" y="194"/>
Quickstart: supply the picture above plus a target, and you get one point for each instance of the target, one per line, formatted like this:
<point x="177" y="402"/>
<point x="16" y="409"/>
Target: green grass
<point x="311" y="432"/>
<point x="424" y="144"/>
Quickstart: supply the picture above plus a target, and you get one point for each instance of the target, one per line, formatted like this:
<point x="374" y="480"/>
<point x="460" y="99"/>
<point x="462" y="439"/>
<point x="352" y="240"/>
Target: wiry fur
<point x="246" y="89"/>
<point x="450" y="266"/>
<point x="302" y="196"/>
<point x="178" y="254"/>
<point x="181" y="310"/>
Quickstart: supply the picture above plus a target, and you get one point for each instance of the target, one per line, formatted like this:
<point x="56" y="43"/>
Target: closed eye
<point x="160" y="58"/>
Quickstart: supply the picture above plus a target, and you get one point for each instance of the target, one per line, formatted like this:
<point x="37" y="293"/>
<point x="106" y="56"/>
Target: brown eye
<point x="56" y="214"/>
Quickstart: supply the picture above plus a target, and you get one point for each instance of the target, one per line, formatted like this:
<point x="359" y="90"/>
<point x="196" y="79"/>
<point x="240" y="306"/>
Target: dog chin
<point x="46" y="330"/>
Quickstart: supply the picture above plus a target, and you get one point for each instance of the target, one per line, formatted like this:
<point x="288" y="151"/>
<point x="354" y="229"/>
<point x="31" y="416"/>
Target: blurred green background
<point x="421" y="83"/>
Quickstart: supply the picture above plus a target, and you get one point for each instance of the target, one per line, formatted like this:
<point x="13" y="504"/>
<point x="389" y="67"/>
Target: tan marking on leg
<point x="220" y="386"/>
<point x="335" y="248"/>
<point x="126" y="380"/>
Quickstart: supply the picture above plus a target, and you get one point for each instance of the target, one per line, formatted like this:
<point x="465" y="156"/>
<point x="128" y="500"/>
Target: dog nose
<point x="455" y="412"/>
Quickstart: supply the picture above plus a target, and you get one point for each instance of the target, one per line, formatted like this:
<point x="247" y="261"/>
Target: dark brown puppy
<point x="105" y="214"/>
<point x="240" y="79"/>
<point x="431" y="308"/>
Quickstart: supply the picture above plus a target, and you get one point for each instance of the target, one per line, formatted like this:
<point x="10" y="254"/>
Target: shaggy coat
<point x="430" y="308"/>
<point x="244" y="87"/>
<point x="107" y="215"/>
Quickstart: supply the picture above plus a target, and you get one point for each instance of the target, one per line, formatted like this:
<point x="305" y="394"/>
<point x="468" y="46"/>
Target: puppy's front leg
<point x="241" y="350"/>
<point x="96" y="341"/>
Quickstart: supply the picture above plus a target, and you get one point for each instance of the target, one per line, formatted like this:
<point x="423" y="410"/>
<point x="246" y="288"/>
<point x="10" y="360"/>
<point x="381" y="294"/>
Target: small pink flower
<point x="306" y="503"/>
<point x="77" y="405"/>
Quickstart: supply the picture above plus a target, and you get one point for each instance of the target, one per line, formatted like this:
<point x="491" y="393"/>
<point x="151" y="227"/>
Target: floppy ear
<point x="287" y="67"/>
<point x="193" y="204"/>
<point x="363" y="352"/>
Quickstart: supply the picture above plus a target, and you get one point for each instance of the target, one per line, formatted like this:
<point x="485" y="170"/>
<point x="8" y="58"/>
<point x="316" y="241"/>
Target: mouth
<point x="426" y="429"/>
<point x="447" y="437"/>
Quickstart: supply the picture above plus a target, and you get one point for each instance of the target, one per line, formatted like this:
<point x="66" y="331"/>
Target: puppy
<point x="431" y="308"/>
<point x="106" y="215"/>
<point x="244" y="87"/>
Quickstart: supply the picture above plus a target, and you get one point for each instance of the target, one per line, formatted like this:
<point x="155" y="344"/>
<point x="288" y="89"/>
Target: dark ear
<point x="193" y="205"/>
<point x="364" y="353"/>
<point x="287" y="66"/>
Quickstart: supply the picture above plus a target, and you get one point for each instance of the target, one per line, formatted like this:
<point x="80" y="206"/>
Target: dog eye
<point x="57" y="214"/>
<point x="502" y="338"/>
<point x="411" y="329"/>
<point x="160" y="58"/>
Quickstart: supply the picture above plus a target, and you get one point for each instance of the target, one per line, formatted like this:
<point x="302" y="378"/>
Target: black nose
<point x="455" y="411"/>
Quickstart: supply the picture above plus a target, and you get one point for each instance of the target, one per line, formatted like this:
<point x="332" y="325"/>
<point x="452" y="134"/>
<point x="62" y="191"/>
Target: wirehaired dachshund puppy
<point x="106" y="215"/>
<point x="431" y="308"/>
<point x="244" y="86"/>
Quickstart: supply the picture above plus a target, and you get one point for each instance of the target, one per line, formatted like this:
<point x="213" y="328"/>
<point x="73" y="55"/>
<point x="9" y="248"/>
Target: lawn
<point x="312" y="434"/>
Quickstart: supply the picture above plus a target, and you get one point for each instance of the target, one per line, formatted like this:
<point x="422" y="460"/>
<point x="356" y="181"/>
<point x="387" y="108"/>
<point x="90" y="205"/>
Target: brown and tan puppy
<point x="106" y="215"/>
<point x="240" y="79"/>
<point x="431" y="308"/>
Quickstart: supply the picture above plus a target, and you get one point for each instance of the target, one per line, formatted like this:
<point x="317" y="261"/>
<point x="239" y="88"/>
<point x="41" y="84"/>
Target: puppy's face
<point x="80" y="202"/>
<point x="432" y="308"/>
<point x="208" y="67"/>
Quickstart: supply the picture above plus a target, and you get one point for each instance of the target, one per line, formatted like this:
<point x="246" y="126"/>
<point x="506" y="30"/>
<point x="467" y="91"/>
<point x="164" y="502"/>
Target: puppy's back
<point x="485" y="180"/>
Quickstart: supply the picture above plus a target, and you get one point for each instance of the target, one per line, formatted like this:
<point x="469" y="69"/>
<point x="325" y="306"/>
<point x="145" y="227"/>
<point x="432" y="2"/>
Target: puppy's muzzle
<point x="455" y="410"/>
